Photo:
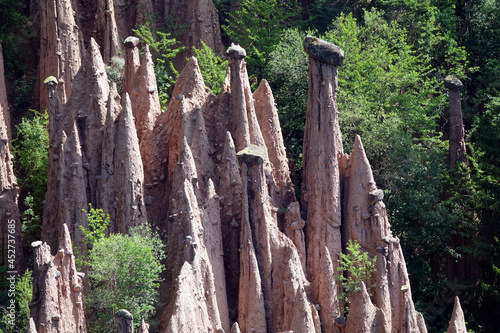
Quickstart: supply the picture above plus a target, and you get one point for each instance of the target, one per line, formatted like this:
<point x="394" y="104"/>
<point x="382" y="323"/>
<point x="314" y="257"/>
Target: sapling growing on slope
<point x="355" y="266"/>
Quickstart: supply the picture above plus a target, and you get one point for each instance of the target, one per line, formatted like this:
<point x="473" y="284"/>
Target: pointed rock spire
<point x="360" y="192"/>
<point x="364" y="316"/>
<point x="144" y="328"/>
<point x="61" y="47"/>
<point x="193" y="265"/>
<point x="267" y="116"/>
<point x="235" y="328"/>
<point x="282" y="277"/>
<point x="31" y="326"/>
<point x="65" y="185"/>
<point x="57" y="289"/>
<point x="240" y="127"/>
<point x="230" y="190"/>
<point x="140" y="84"/>
<point x="457" y="321"/>
<point x="129" y="175"/>
<point x="112" y="46"/>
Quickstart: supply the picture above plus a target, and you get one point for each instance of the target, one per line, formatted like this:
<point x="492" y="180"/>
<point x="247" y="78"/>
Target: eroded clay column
<point x="10" y="221"/>
<point x="238" y="104"/>
<point x="457" y="134"/>
<point x="321" y="183"/>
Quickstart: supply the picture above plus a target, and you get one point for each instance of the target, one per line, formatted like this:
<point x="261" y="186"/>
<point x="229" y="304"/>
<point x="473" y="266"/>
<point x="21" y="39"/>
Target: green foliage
<point x="124" y="274"/>
<point x="23" y="296"/>
<point x="387" y="94"/>
<point x="97" y="222"/>
<point x="31" y="225"/>
<point x="424" y="224"/>
<point x="355" y="266"/>
<point x="213" y="68"/>
<point x="431" y="27"/>
<point x="30" y="148"/>
<point x="476" y="189"/>
<point x="320" y="13"/>
<point x="287" y="75"/>
<point x="164" y="49"/>
<point x="257" y="27"/>
<point x="16" y="34"/>
<point x="115" y="71"/>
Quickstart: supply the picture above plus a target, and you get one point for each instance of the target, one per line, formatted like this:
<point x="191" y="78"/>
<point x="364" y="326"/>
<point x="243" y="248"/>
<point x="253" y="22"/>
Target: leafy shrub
<point x="97" y="221"/>
<point x="355" y="267"/>
<point x="124" y="272"/>
<point x="24" y="295"/>
<point x="31" y="225"/>
<point x="213" y="68"/>
<point x="115" y="71"/>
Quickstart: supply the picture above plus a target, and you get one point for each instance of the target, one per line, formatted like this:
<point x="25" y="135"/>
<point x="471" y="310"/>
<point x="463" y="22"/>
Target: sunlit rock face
<point x="94" y="156"/>
<point x="211" y="173"/>
<point x="57" y="290"/>
<point x="457" y="321"/>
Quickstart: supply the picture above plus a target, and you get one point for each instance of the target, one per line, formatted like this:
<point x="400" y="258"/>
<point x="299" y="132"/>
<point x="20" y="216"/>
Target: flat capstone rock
<point x="50" y="81"/>
<point x="36" y="244"/>
<point x="236" y="52"/>
<point x="130" y="42"/>
<point x="124" y="314"/>
<point x="251" y="155"/>
<point x="452" y="83"/>
<point x="323" y="51"/>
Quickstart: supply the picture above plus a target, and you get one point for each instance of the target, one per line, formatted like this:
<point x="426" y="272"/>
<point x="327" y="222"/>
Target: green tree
<point x="97" y="222"/>
<point x="477" y="196"/>
<point x="213" y="68"/>
<point x="164" y="49"/>
<point x="432" y="32"/>
<point x="30" y="148"/>
<point x="31" y="225"/>
<point x="355" y="266"/>
<point x="387" y="95"/>
<point x="257" y="27"/>
<point x="124" y="272"/>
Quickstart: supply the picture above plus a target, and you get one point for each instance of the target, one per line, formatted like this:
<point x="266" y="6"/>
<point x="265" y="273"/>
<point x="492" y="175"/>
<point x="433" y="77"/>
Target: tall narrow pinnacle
<point x="321" y="184"/>
<point x="456" y="135"/>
